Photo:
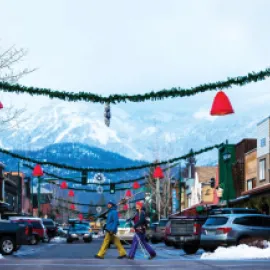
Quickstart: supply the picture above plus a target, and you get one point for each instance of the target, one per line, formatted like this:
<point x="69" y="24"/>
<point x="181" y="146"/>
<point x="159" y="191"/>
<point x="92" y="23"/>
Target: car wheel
<point x="69" y="241"/>
<point x="154" y="241"/>
<point x="190" y="249"/>
<point x="7" y="245"/>
<point x="244" y="240"/>
<point x="17" y="247"/>
<point x="88" y="240"/>
<point x="34" y="240"/>
<point x="177" y="246"/>
<point x="168" y="243"/>
<point x="209" y="249"/>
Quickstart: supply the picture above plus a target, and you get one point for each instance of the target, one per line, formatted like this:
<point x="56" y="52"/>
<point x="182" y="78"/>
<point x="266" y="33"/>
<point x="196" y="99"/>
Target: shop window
<point x="249" y="184"/>
<point x="262" y="168"/>
<point x="263" y="142"/>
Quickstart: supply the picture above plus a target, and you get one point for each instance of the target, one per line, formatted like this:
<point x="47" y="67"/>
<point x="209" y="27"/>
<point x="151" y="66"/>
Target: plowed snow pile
<point x="239" y="252"/>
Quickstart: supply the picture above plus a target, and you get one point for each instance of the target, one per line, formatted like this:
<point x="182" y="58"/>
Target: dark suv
<point x="50" y="227"/>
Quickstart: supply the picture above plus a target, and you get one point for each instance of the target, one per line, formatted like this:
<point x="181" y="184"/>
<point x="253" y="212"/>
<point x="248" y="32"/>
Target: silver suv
<point x="234" y="229"/>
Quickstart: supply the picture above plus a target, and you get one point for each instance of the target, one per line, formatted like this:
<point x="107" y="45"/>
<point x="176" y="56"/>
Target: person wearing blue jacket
<point x="110" y="236"/>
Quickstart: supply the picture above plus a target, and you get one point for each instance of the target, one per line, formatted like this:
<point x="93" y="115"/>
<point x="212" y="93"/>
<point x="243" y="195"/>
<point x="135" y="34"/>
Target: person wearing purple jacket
<point x="140" y="230"/>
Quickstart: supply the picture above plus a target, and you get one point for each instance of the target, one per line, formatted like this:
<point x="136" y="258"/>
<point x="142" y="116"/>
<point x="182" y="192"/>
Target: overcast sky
<point x="125" y="46"/>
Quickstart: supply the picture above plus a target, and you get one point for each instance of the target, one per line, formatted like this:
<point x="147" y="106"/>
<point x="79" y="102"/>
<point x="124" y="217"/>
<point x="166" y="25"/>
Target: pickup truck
<point x="184" y="232"/>
<point x="12" y="236"/>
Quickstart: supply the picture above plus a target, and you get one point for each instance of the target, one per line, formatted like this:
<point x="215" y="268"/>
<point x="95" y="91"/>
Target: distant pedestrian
<point x="140" y="230"/>
<point x="111" y="229"/>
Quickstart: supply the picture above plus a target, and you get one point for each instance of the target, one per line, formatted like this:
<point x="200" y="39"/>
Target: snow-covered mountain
<point x="142" y="135"/>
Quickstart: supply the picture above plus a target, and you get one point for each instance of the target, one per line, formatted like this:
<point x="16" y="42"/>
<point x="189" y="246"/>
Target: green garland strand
<point x="77" y="182"/>
<point x="117" y="98"/>
<point x="92" y="191"/>
<point x="77" y="203"/>
<point x="105" y="170"/>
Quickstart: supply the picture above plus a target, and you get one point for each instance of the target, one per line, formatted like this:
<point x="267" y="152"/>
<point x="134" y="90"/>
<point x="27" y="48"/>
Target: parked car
<point x="159" y="232"/>
<point x="50" y="227"/>
<point x="185" y="231"/>
<point x="12" y="236"/>
<point x="234" y="229"/>
<point x="125" y="231"/>
<point x="223" y="211"/>
<point x="38" y="232"/>
<point x="79" y="231"/>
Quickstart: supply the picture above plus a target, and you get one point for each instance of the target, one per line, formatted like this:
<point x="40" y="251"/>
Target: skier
<point x="140" y="230"/>
<point x="111" y="230"/>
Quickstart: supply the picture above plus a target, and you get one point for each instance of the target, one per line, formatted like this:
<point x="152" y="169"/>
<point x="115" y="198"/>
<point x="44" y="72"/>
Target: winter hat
<point x="111" y="203"/>
<point x="139" y="204"/>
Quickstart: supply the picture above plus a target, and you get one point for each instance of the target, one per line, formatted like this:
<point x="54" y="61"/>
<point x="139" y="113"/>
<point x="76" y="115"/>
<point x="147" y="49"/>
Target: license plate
<point x="179" y="238"/>
<point x="210" y="232"/>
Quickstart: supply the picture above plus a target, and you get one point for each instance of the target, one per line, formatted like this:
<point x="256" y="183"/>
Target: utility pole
<point x="180" y="189"/>
<point x="38" y="195"/>
<point x="158" y="197"/>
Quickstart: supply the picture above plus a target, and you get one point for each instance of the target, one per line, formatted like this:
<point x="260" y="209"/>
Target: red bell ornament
<point x="64" y="185"/>
<point x="80" y="216"/>
<point x="158" y="173"/>
<point x="1" y="105"/>
<point x="221" y="105"/>
<point x="128" y="193"/>
<point x="37" y="172"/>
<point x="125" y="207"/>
<point x="71" y="193"/>
<point x="72" y="207"/>
<point x="136" y="185"/>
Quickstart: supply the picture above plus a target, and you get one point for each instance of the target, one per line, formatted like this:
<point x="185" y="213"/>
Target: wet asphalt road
<point x="59" y="255"/>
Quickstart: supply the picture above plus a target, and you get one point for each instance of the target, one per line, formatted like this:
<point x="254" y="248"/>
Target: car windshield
<point x="162" y="223"/>
<point x="79" y="227"/>
<point x="123" y="224"/>
<point x="48" y="222"/>
<point x="216" y="221"/>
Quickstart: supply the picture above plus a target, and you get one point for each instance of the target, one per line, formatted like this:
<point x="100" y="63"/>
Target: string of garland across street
<point x="173" y="92"/>
<point x="111" y="170"/>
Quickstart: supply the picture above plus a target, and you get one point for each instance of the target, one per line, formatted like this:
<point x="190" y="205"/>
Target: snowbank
<point x="58" y="240"/>
<point x="239" y="252"/>
<point x="1" y="257"/>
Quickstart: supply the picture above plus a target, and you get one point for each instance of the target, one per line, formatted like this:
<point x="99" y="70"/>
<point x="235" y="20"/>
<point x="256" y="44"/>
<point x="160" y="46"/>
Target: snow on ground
<point x="1" y="257"/>
<point x="238" y="253"/>
<point x="58" y="240"/>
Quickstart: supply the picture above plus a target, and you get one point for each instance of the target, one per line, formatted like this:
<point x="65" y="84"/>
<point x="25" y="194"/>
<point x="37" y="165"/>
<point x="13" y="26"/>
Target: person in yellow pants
<point x="111" y="230"/>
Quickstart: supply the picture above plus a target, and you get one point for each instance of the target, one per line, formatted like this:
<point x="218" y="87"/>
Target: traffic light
<point x="84" y="177"/>
<point x="112" y="188"/>
<point x="212" y="182"/>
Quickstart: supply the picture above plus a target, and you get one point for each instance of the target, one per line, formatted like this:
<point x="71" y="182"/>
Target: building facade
<point x="250" y="169"/>
<point x="263" y="152"/>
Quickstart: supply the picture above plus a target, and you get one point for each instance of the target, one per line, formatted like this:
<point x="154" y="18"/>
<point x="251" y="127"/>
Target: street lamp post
<point x="180" y="190"/>
<point x="226" y="158"/>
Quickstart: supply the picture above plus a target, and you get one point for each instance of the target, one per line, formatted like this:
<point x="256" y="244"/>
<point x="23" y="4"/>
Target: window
<point x="249" y="184"/>
<point x="36" y="225"/>
<point x="263" y="142"/>
<point x="216" y="221"/>
<point x="162" y="222"/>
<point x="266" y="222"/>
<point x="249" y="221"/>
<point x="262" y="169"/>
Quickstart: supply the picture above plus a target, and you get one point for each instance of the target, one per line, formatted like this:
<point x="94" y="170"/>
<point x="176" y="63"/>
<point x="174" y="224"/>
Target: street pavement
<point x="60" y="255"/>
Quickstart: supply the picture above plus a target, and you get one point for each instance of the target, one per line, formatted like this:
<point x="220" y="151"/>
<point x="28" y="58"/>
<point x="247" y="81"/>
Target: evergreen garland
<point x="153" y="96"/>
<point x="106" y="170"/>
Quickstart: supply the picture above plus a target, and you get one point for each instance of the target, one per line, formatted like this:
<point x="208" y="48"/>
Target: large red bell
<point x="221" y="105"/>
<point x="71" y="193"/>
<point x="128" y="193"/>
<point x="136" y="185"/>
<point x="64" y="185"/>
<point x="37" y="172"/>
<point x="158" y="173"/>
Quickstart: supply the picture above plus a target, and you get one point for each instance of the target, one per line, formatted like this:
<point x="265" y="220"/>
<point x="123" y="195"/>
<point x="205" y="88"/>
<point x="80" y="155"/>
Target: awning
<point x="239" y="199"/>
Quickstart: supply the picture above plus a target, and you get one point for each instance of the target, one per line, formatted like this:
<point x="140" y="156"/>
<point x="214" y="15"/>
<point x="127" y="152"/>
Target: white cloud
<point x="204" y="114"/>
